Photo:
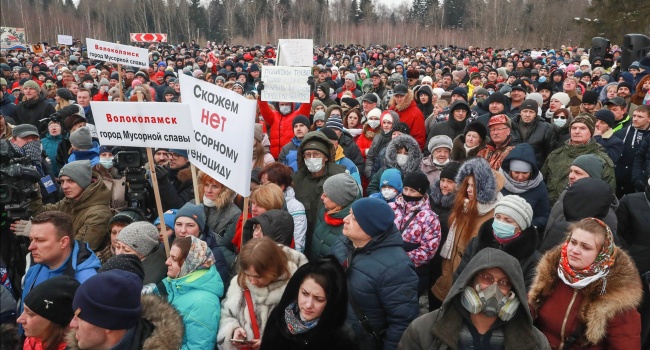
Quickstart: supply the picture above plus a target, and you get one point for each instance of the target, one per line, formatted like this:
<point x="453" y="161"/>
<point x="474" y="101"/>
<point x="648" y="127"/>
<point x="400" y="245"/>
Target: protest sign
<point x="12" y="38"/>
<point x="37" y="49"/>
<point x="64" y="39"/>
<point x="295" y="52"/>
<point x="117" y="53"/>
<point x="143" y="124"/>
<point x="286" y="84"/>
<point x="224" y="124"/>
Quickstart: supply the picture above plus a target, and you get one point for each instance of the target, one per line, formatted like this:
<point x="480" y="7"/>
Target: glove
<point x="161" y="174"/>
<point x="310" y="81"/>
<point x="260" y="87"/>
<point x="22" y="228"/>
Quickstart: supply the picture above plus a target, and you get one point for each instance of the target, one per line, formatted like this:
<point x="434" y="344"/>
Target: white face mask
<point x="314" y="165"/>
<point x="373" y="123"/>
<point x="388" y="193"/>
<point x="402" y="159"/>
<point x="559" y="122"/>
<point x="208" y="202"/>
<point x="88" y="85"/>
<point x="285" y="109"/>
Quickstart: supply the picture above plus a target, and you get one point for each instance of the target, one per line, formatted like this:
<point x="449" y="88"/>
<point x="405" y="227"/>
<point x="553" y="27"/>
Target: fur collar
<point x="437" y="198"/>
<point x="483" y="175"/>
<point x="168" y="325"/>
<point x="184" y="175"/>
<point x="408" y="99"/>
<point x="622" y="292"/>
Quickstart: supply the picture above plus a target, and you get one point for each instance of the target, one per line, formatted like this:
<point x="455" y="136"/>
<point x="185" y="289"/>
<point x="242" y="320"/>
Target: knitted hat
<point x="402" y="127"/>
<point x="125" y="262"/>
<point x="301" y="119"/>
<point x="317" y="103"/>
<point x="141" y="236"/>
<point x="65" y="94"/>
<point x="373" y="215"/>
<point x="529" y="104"/>
<point x="180" y="152"/>
<point x="320" y="115"/>
<point x="440" y="141"/>
<point x="375" y="112"/>
<point x="496" y="97"/>
<point x="591" y="164"/>
<point x="334" y="122"/>
<point x="478" y="128"/>
<point x="392" y="177"/>
<point x="24" y="130"/>
<point x="351" y="76"/>
<point x="520" y="165"/>
<point x="126" y="216"/>
<point x="562" y="97"/>
<point x="79" y="171"/>
<point x="52" y="299"/>
<point x="480" y="91"/>
<point x="460" y="91"/>
<point x="194" y="212"/>
<point x="586" y="120"/>
<point x="110" y="300"/>
<point x="258" y="135"/>
<point x="169" y="216"/>
<point x="515" y="208"/>
<point x="330" y="133"/>
<point x="342" y="189"/>
<point x="81" y="138"/>
<point x="606" y="116"/>
<point x="418" y="181"/>
<point x="590" y="97"/>
<point x="450" y="171"/>
<point x="32" y="84"/>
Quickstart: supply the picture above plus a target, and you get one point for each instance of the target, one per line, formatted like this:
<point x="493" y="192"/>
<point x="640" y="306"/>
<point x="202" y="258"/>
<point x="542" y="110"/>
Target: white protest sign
<point x="286" y="84"/>
<point x="143" y="124"/>
<point x="295" y="52"/>
<point x="224" y="124"/>
<point x="64" y="39"/>
<point x="117" y="53"/>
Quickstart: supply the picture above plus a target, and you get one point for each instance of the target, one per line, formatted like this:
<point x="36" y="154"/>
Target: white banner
<point x="285" y="84"/>
<point x="296" y="52"/>
<point x="224" y="124"/>
<point x="143" y="124"/>
<point x="12" y="38"/>
<point x="117" y="53"/>
<point x="64" y="39"/>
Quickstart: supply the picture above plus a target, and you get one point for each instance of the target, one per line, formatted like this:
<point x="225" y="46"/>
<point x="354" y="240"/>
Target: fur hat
<point x="515" y="208"/>
<point x="439" y="141"/>
<point x="478" y="128"/>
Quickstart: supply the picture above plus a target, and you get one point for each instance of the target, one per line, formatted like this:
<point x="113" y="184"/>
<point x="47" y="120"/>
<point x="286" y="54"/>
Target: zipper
<point x="566" y="317"/>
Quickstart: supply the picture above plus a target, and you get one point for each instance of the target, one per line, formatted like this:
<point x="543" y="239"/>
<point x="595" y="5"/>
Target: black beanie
<point x="450" y="171"/>
<point x="125" y="262"/>
<point x="52" y="299"/>
<point x="418" y="181"/>
<point x="403" y="128"/>
<point x="330" y="133"/>
<point x="301" y="119"/>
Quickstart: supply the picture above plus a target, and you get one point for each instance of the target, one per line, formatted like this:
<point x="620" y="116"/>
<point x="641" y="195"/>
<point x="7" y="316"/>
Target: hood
<point x="95" y="194"/>
<point x="488" y="258"/>
<point x="276" y="224"/>
<point x="486" y="179"/>
<point x="522" y="152"/>
<point x="207" y="280"/>
<point x="588" y="197"/>
<point x="83" y="257"/>
<point x="315" y="135"/>
<point x="425" y="89"/>
<point x="603" y="93"/>
<point x="413" y="149"/>
<point x="329" y="110"/>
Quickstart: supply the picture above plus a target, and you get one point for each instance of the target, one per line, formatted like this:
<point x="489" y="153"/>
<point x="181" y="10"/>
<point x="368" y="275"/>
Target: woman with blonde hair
<point x="63" y="98"/>
<point x="264" y="271"/>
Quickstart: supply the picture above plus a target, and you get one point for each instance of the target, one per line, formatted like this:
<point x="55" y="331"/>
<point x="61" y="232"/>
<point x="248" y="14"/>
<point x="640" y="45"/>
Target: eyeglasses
<point x="488" y="279"/>
<point x="174" y="156"/>
<point x="315" y="154"/>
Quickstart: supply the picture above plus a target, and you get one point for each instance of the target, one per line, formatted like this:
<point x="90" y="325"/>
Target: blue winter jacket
<point x="289" y="154"/>
<point x="92" y="155"/>
<point x="197" y="297"/>
<point x="383" y="282"/>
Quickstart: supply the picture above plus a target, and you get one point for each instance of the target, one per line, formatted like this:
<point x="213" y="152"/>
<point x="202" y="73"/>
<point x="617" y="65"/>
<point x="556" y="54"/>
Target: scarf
<point x="209" y="202"/>
<point x="517" y="187"/>
<point x="445" y="252"/>
<point x="294" y="321"/>
<point x="579" y="279"/>
<point x="199" y="257"/>
<point x="332" y="221"/>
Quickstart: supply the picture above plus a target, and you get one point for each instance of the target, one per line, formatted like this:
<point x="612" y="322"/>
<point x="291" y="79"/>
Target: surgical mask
<point x="388" y="193"/>
<point x="285" y="109"/>
<point x="402" y="159"/>
<point x="209" y="202"/>
<point x="88" y="85"/>
<point x="59" y="77"/>
<point x="559" y="122"/>
<point x="373" y="123"/>
<point x="106" y="162"/>
<point x="503" y="230"/>
<point x="314" y="165"/>
<point x="490" y="301"/>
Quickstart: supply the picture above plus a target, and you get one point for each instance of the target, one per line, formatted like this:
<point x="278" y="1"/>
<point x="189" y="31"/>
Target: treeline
<point x="497" y="23"/>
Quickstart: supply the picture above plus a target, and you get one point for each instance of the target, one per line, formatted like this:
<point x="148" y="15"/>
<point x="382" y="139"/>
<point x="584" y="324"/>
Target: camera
<point x="18" y="179"/>
<point x="130" y="162"/>
<point x="127" y="159"/>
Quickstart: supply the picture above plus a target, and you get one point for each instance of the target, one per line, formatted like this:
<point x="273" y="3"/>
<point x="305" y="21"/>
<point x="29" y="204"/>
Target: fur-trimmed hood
<point x="623" y="291"/>
<point x="639" y="95"/>
<point x="329" y="110"/>
<point x="168" y="328"/>
<point x="487" y="180"/>
<point x="413" y="149"/>
<point x="408" y="99"/>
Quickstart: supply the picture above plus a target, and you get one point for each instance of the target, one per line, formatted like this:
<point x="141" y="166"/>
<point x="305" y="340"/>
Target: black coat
<point x="176" y="189"/>
<point x="31" y="111"/>
<point x="633" y="216"/>
<point x="641" y="166"/>
<point x="523" y="248"/>
<point x="351" y="150"/>
<point x="540" y="136"/>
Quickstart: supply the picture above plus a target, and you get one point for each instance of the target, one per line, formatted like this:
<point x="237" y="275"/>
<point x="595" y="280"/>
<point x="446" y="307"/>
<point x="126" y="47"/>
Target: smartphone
<point x="241" y="341"/>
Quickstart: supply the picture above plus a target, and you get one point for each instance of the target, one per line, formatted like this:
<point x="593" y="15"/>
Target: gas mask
<point x="490" y="301"/>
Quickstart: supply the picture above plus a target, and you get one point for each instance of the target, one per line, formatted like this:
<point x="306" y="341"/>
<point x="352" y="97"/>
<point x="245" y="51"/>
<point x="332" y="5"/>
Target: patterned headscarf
<point x="598" y="269"/>
<point x="199" y="257"/>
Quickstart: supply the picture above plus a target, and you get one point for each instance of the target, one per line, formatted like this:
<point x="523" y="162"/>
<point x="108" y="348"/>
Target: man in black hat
<point x="529" y="127"/>
<point x="604" y="135"/>
<point x="517" y="95"/>
<point x="590" y="103"/>
<point x="618" y="106"/>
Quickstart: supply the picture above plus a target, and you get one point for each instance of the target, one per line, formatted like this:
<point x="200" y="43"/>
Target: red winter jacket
<point x="410" y="114"/>
<point x="101" y="97"/>
<point x="281" y="125"/>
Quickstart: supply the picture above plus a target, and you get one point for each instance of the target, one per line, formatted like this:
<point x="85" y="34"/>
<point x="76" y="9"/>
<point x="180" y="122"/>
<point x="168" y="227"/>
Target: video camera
<point x="131" y="163"/>
<point x="18" y="179"/>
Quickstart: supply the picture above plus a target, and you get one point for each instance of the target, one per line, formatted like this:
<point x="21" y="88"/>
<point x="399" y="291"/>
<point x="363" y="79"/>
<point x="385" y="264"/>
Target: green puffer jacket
<point x="90" y="213"/>
<point x="557" y="165"/>
<point x="326" y="235"/>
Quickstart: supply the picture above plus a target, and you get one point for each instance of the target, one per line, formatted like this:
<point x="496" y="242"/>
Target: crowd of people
<point x="425" y="198"/>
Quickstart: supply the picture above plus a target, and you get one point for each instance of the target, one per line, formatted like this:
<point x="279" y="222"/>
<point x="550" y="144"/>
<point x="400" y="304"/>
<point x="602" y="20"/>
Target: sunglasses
<point x="560" y="117"/>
